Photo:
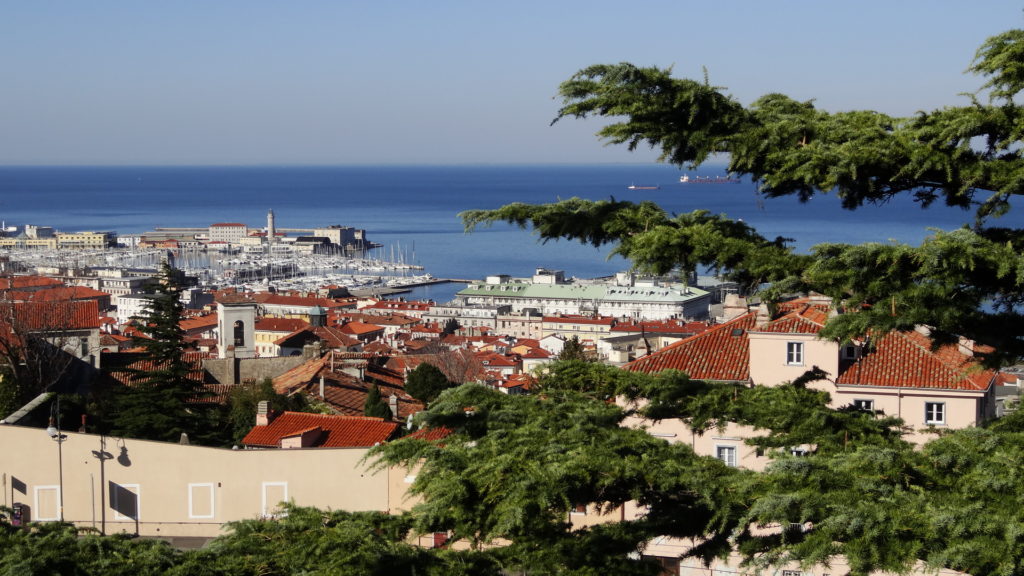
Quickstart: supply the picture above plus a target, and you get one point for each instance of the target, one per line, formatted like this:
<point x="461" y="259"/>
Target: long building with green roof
<point x="622" y="297"/>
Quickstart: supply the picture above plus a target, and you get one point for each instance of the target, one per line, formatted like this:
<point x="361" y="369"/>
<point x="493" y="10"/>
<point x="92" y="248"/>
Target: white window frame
<point x="723" y="450"/>
<point x="213" y="500"/>
<point x="263" y="498"/>
<point x="35" y="503"/>
<point x="865" y="404"/>
<point x="114" y="505"/>
<point x="932" y="409"/>
<point x="794" y="353"/>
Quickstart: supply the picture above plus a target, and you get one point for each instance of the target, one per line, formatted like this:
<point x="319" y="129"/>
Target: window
<point x="201" y="500"/>
<point x="934" y="412"/>
<point x="47" y="503"/>
<point x="864" y="404"/>
<point x="239" y="333"/>
<point x="849" y="352"/>
<point x="795" y="353"/>
<point x="726" y="454"/>
<point x="124" y="500"/>
<point x="274" y="494"/>
<point x="798" y="451"/>
<point x="579" y="509"/>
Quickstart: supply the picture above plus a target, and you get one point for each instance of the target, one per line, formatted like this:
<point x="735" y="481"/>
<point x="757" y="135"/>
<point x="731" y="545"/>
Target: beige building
<point x="172" y="490"/>
<point x="86" y="240"/>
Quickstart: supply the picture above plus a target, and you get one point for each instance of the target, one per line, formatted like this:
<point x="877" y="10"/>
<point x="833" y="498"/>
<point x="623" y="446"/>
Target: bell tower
<point x="236" y="329"/>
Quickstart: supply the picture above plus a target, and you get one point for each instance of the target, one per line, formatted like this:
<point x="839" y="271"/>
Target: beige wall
<point x="182" y="490"/>
<point x="962" y="409"/>
<point x="768" y="357"/>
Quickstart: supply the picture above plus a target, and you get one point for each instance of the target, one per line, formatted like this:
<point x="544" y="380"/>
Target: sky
<point x="249" y="82"/>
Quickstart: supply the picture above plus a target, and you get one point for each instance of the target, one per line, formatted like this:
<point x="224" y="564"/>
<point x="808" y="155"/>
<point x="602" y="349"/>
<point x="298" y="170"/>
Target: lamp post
<point x="54" y="431"/>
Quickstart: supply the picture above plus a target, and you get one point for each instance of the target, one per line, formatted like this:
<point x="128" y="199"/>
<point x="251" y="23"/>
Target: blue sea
<point x="412" y="210"/>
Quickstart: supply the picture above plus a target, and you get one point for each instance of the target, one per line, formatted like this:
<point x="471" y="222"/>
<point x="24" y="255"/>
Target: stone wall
<point x="238" y="370"/>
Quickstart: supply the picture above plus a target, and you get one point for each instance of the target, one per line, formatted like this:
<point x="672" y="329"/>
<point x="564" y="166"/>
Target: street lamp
<point x="54" y="431"/>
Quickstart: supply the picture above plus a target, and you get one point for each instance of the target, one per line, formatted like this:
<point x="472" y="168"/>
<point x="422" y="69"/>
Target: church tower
<point x="236" y="324"/>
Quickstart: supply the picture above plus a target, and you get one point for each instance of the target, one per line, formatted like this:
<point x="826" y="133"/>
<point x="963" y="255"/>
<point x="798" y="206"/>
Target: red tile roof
<point x="286" y="325"/>
<point x="721" y="353"/>
<point x="16" y="282"/>
<point x="336" y="431"/>
<point x="906" y="360"/>
<point x="803" y="319"/>
<point x="50" y="316"/>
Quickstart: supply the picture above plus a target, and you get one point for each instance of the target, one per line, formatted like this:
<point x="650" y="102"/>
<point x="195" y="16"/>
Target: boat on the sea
<point x="685" y="179"/>
<point x="635" y="187"/>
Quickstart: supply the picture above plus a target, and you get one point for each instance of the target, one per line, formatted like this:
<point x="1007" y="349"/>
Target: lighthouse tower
<point x="271" y="235"/>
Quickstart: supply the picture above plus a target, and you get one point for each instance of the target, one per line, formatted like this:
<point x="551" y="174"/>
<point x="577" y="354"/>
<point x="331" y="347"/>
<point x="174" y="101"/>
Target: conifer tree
<point x="163" y="399"/>
<point x="375" y="405"/>
<point x="426" y="381"/>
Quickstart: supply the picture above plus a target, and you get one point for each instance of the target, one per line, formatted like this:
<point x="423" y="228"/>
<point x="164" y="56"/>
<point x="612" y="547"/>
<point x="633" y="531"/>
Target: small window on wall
<point x="726" y="454"/>
<point x="864" y="404"/>
<point x="795" y="353"/>
<point x="934" y="412"/>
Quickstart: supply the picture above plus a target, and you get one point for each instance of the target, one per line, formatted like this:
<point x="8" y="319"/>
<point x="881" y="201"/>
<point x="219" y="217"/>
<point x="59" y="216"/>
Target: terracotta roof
<point x="906" y="360"/>
<point x="331" y="337"/>
<point x="360" y="328"/>
<point x="55" y="293"/>
<point x="431" y="434"/>
<point x="122" y="365"/>
<point x="51" y="316"/>
<point x="803" y="319"/>
<point x="198" y="323"/>
<point x="299" y="376"/>
<point x="335" y="431"/>
<point x="15" y="282"/>
<point x="662" y="327"/>
<point x="720" y="353"/>
<point x="286" y="325"/>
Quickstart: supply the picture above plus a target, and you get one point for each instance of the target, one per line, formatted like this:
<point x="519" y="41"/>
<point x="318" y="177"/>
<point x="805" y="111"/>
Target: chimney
<point x="263" y="416"/>
<point x="393" y="404"/>
<point x="734" y="307"/>
<point x="763" y="315"/>
<point x="321" y="387"/>
<point x="966" y="346"/>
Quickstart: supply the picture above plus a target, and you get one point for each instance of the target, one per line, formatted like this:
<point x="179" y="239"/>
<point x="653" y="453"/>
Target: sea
<point x="413" y="210"/>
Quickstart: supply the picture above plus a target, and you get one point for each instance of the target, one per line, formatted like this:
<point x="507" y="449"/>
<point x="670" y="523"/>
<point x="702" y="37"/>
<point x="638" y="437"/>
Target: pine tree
<point x="375" y="405"/>
<point x="426" y="381"/>
<point x="162" y="400"/>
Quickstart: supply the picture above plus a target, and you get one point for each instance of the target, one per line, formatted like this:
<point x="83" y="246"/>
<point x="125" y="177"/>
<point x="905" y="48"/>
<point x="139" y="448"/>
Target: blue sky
<point x="442" y="82"/>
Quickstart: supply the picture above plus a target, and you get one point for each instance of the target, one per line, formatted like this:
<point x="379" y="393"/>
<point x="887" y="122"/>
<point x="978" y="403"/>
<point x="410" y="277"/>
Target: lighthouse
<point x="271" y="235"/>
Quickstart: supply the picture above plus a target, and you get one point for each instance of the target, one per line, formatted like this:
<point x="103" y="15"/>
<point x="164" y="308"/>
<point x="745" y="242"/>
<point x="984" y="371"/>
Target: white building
<point x="625" y="297"/>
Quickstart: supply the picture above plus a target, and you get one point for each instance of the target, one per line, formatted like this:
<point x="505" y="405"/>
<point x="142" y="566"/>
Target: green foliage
<point x="451" y="326"/>
<point x="966" y="282"/>
<point x="375" y="405"/>
<point x="515" y="466"/>
<point x="57" y="548"/>
<point x="573" y="350"/>
<point x="243" y="401"/>
<point x="426" y="381"/>
<point x="162" y="401"/>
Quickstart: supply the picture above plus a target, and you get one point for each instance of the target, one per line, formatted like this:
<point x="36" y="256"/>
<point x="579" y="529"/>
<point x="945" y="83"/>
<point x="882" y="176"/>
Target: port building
<point x="625" y="296"/>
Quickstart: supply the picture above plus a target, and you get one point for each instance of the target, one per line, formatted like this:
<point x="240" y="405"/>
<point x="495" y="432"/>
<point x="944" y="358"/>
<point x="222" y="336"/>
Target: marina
<point x="246" y="270"/>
